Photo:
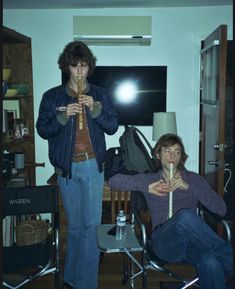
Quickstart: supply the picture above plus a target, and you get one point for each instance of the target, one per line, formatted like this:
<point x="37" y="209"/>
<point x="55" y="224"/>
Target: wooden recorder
<point x="80" y="91"/>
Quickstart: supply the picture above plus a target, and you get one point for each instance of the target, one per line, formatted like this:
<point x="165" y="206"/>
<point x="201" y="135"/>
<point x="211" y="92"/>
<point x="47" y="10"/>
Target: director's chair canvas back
<point x="42" y="258"/>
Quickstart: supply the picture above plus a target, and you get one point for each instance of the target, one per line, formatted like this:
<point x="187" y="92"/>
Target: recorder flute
<point x="80" y="90"/>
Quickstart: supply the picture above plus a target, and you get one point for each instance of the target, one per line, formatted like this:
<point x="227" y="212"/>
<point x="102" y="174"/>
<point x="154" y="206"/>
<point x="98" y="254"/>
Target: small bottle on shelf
<point x="121" y="225"/>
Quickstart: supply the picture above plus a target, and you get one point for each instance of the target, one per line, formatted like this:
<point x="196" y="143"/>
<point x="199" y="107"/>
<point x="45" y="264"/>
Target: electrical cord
<point x="229" y="177"/>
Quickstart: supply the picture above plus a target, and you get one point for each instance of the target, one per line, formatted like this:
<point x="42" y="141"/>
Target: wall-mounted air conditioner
<point x="112" y="30"/>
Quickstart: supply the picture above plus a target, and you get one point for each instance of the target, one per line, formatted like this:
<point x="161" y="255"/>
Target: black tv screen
<point x="137" y="91"/>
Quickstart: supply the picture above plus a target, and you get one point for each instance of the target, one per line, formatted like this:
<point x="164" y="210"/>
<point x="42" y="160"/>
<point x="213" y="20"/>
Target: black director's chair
<point x="23" y="264"/>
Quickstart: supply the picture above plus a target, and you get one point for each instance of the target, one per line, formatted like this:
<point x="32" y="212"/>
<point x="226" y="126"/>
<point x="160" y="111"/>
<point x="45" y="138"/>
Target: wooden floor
<point x="111" y="276"/>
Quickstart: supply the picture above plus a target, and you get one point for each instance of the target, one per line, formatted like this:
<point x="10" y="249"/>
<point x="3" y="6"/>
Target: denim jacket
<point x="61" y="135"/>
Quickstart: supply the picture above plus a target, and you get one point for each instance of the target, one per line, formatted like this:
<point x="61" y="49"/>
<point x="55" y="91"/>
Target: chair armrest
<point x="215" y="219"/>
<point x="139" y="221"/>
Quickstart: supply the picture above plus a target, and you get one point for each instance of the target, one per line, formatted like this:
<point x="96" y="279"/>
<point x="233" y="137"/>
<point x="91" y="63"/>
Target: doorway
<point x="216" y="114"/>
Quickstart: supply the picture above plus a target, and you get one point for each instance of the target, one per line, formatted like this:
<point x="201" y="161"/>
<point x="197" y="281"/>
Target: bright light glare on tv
<point x="126" y="92"/>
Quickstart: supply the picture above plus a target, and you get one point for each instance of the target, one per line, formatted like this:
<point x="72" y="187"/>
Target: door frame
<point x="220" y="35"/>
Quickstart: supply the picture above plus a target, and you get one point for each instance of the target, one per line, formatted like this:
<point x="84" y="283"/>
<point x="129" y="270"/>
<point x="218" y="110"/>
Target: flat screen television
<point x="136" y="91"/>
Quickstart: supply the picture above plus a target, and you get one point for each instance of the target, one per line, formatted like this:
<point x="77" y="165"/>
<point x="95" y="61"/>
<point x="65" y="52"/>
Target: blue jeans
<point x="187" y="238"/>
<point x="82" y="200"/>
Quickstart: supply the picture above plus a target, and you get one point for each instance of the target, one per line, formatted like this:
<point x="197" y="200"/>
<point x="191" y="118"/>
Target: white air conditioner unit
<point x="112" y="30"/>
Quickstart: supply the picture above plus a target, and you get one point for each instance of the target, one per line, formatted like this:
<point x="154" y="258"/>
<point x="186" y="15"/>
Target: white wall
<point x="176" y="36"/>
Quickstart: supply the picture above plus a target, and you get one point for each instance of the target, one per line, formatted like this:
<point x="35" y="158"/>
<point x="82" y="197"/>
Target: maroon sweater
<point x="198" y="191"/>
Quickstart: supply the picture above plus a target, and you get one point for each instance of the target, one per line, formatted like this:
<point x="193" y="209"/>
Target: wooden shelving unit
<point x="17" y="55"/>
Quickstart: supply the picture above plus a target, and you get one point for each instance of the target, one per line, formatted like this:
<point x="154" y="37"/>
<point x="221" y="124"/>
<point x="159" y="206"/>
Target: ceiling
<point x="76" y="4"/>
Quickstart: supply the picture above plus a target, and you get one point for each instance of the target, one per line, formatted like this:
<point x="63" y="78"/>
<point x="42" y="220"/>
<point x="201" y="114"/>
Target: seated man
<point x="184" y="237"/>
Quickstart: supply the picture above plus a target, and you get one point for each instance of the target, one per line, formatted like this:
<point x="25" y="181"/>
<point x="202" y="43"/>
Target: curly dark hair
<point x="168" y="140"/>
<point x="74" y="52"/>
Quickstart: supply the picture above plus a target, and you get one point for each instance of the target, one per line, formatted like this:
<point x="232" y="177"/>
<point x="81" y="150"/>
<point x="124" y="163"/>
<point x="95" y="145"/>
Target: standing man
<point x="73" y="118"/>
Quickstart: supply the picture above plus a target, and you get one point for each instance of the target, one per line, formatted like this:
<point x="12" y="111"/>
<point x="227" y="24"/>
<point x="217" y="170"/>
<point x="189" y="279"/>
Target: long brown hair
<point x="168" y="140"/>
<point x="76" y="51"/>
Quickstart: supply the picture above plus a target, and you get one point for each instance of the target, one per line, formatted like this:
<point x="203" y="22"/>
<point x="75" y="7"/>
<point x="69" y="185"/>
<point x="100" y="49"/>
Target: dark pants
<point x="187" y="238"/>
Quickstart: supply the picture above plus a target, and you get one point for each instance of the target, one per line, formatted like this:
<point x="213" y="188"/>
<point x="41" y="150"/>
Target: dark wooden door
<point x="212" y="108"/>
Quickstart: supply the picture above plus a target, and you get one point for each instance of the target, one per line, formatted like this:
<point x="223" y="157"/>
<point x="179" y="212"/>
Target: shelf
<point x="17" y="97"/>
<point x="20" y="179"/>
<point x="17" y="55"/>
<point x="10" y="35"/>
<point x="13" y="142"/>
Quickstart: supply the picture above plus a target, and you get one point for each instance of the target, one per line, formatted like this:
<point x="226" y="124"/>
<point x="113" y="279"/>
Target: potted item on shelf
<point x="6" y="74"/>
<point x="11" y="92"/>
<point x="22" y="89"/>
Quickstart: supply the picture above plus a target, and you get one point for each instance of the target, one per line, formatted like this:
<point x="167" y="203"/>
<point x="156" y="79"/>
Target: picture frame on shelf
<point x="11" y="116"/>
